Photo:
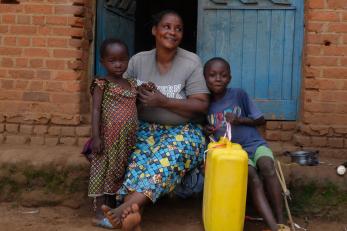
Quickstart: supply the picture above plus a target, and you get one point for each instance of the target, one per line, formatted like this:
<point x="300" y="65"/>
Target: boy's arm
<point x="247" y="121"/>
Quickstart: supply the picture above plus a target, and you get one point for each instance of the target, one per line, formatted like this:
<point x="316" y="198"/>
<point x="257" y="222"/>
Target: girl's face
<point x="116" y="60"/>
<point x="169" y="31"/>
<point x="217" y="77"/>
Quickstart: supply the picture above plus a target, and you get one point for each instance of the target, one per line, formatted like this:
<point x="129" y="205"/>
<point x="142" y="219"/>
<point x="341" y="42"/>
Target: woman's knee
<point x="266" y="167"/>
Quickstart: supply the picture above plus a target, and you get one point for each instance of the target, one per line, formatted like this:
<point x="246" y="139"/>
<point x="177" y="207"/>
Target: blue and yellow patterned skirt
<point x="163" y="154"/>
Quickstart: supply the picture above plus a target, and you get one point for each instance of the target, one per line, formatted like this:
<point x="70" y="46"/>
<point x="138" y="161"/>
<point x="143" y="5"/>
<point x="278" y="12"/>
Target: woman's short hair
<point x="156" y="18"/>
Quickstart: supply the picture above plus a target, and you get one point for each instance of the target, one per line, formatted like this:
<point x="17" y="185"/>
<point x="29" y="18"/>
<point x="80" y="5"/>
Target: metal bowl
<point x="303" y="157"/>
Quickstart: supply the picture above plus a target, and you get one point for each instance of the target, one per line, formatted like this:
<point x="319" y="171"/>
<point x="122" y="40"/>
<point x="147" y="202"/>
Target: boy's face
<point x="217" y="77"/>
<point x="116" y="59"/>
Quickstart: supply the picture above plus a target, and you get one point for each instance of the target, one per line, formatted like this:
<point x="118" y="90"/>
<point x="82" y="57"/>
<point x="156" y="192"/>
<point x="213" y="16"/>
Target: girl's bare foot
<point x="131" y="218"/>
<point x="113" y="215"/>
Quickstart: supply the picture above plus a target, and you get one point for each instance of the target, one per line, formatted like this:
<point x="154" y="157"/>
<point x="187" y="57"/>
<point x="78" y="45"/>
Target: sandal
<point x="282" y="227"/>
<point x="104" y="223"/>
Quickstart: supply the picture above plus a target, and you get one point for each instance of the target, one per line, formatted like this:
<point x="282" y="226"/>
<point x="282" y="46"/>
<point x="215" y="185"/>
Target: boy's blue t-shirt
<point x="237" y="102"/>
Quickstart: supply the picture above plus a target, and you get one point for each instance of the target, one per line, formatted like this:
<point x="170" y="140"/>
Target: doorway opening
<point x="145" y="9"/>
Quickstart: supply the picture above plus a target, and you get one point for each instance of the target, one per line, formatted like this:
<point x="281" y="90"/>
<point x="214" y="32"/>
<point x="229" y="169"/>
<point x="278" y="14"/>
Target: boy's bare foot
<point x="113" y="215"/>
<point x="131" y="218"/>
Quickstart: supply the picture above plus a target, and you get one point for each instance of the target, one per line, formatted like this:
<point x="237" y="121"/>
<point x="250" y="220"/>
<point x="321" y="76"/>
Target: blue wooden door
<point x="262" y="40"/>
<point x="115" y="18"/>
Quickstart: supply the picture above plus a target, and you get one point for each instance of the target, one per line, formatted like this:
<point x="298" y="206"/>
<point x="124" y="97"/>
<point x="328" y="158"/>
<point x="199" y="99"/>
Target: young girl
<point x="114" y="125"/>
<point x="234" y="106"/>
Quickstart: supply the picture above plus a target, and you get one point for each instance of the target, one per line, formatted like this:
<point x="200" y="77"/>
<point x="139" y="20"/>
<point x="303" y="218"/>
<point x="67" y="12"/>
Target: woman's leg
<point x="115" y="215"/>
<point x="267" y="170"/>
<point x="260" y="201"/>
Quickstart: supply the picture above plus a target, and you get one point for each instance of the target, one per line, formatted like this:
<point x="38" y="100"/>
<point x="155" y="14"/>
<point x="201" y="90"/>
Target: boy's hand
<point x="209" y="130"/>
<point x="97" y="145"/>
<point x="232" y="119"/>
<point x="148" y="86"/>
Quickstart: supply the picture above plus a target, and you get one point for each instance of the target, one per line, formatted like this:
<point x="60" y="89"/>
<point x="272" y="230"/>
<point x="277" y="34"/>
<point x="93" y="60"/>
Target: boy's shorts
<point x="260" y="152"/>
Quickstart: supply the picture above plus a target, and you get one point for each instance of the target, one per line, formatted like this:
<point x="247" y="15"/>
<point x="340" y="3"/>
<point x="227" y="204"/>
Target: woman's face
<point x="169" y="32"/>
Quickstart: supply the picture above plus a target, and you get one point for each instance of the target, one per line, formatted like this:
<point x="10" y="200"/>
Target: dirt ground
<point x="168" y="214"/>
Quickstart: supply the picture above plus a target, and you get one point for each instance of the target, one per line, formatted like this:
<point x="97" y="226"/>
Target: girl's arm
<point x="232" y="119"/>
<point x="97" y="98"/>
<point x="191" y="107"/>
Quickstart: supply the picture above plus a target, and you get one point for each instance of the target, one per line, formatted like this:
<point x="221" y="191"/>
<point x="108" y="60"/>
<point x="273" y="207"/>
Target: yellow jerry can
<point x="225" y="186"/>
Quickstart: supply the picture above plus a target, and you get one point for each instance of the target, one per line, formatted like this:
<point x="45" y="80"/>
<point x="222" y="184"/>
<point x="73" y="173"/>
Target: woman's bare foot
<point x="131" y="218"/>
<point x="113" y="215"/>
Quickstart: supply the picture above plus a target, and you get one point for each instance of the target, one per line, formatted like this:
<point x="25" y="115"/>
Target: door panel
<point x="262" y="40"/>
<point x="116" y="19"/>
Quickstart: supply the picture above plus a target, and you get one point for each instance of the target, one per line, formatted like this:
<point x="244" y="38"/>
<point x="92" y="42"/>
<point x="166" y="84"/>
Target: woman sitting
<point x="172" y="94"/>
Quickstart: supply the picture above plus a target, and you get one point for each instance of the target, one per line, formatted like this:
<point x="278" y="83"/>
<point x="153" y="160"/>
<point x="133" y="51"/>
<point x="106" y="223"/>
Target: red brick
<point x="21" y="84"/>
<point x="289" y="126"/>
<point x="64" y="31"/>
<point x="302" y="140"/>
<point x="84" y="131"/>
<point x="273" y="135"/>
<point x="37" y="140"/>
<point x="314" y="38"/>
<point x="65" y="98"/>
<point x="322" y="61"/>
<point x="319" y="141"/>
<point x="335" y="50"/>
<point x="10" y="8"/>
<point x="55" y="64"/>
<point x="337" y="4"/>
<point x="67" y="75"/>
<point x="77" y="43"/>
<point x="36" y="96"/>
<point x="81" y="141"/>
<point x="76" y="21"/>
<point x="26" y="129"/>
<point x="68" y="131"/>
<point x="311" y="84"/>
<point x="329" y="16"/>
<point x="23" y="41"/>
<point x="44" y="30"/>
<point x="54" y="131"/>
<point x="22" y="62"/>
<point x="22" y="74"/>
<point x="68" y="140"/>
<point x="10" y="95"/>
<point x="36" y="85"/>
<point x="10" y="41"/>
<point x="335" y="142"/>
<point x="2" y="129"/>
<point x="23" y="19"/>
<point x="39" y="42"/>
<point x="313" y="49"/>
<point x="56" y="20"/>
<point x="38" y="9"/>
<point x="7" y="62"/>
<point x="36" y="52"/>
<point x="51" y="141"/>
<point x="337" y="27"/>
<point x="40" y="129"/>
<point x="8" y="19"/>
<point x="330" y="84"/>
<point x="286" y="135"/>
<point x="335" y="72"/>
<point x="7" y="84"/>
<point x="10" y="51"/>
<point x="12" y="128"/>
<point x="43" y="74"/>
<point x="57" y="42"/>
<point x="3" y="29"/>
<point x="316" y="4"/>
<point x="66" y="119"/>
<point x="64" y="53"/>
<point x="39" y="20"/>
<point x="75" y="10"/>
<point x="16" y="139"/>
<point x="36" y="63"/>
<point x="339" y="96"/>
<point x="56" y="86"/>
<point x="24" y="30"/>
<point x="72" y="86"/>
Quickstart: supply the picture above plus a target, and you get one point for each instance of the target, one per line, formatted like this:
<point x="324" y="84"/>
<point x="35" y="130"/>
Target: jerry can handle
<point x="228" y="131"/>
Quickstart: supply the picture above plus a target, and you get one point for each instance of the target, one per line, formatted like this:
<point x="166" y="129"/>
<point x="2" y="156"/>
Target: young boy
<point x="234" y="106"/>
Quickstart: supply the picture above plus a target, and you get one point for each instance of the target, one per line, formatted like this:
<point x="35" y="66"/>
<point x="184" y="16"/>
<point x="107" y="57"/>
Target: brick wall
<point x="324" y="92"/>
<point x="44" y="53"/>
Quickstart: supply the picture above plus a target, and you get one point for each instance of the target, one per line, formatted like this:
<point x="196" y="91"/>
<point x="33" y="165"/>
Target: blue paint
<point x="263" y="42"/>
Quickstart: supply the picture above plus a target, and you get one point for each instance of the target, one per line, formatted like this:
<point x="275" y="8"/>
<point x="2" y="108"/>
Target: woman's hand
<point x="152" y="98"/>
<point x="209" y="130"/>
<point x="97" y="145"/>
